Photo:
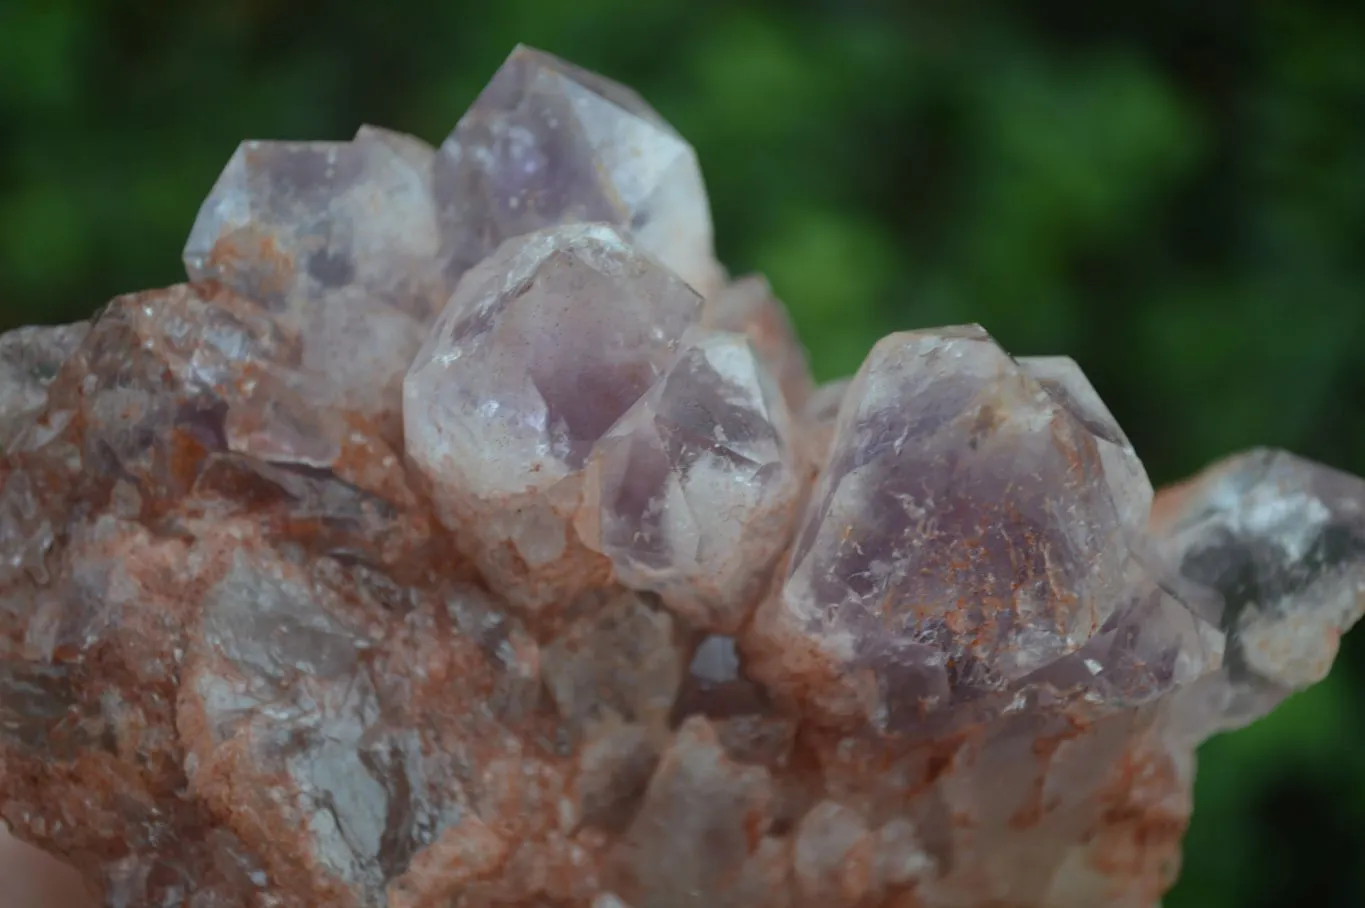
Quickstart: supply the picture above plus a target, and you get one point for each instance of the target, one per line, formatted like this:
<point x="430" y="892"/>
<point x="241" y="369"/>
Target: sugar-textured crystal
<point x="610" y="607"/>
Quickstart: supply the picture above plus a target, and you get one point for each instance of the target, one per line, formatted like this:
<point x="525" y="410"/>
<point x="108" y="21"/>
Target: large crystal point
<point x="692" y="494"/>
<point x="543" y="347"/>
<point x="549" y="143"/>
<point x="340" y="239"/>
<point x="964" y="533"/>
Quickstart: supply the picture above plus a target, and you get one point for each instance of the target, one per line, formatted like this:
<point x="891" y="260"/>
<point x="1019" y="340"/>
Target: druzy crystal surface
<point x="457" y="537"/>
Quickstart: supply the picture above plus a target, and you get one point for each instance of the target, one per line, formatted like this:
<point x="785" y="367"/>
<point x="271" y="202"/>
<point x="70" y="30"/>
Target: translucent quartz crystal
<point x="341" y="239"/>
<point x="542" y="348"/>
<point x="749" y="307"/>
<point x="963" y="534"/>
<point x="1279" y="542"/>
<point x="1067" y="384"/>
<point x="693" y="492"/>
<point x="549" y="143"/>
<point x="592" y="640"/>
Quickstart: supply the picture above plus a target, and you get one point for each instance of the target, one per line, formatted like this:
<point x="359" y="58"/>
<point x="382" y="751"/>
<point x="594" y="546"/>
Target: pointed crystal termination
<point x="692" y="494"/>
<point x="1279" y="542"/>
<point x="549" y="143"/>
<point x="749" y="307"/>
<point x="964" y="534"/>
<point x="341" y="240"/>
<point x="543" y="347"/>
<point x="1062" y="377"/>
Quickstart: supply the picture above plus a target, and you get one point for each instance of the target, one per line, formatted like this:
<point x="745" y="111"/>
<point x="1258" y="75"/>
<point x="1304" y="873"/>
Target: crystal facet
<point x="548" y="143"/>
<point x="580" y="632"/>
<point x="342" y="240"/>
<point x="692" y="492"/>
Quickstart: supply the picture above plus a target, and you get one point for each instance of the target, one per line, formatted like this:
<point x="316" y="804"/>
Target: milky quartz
<point x="549" y="143"/>
<point x="610" y="607"/>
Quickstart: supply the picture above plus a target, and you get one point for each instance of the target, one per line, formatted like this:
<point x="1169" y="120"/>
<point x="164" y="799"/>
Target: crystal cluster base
<point x="460" y="536"/>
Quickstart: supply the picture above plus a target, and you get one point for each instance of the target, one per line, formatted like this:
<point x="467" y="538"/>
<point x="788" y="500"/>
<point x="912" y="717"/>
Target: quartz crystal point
<point x="542" y="348"/>
<point x="548" y="143"/>
<point x="1063" y="379"/>
<point x="341" y="239"/>
<point x="1279" y="543"/>
<point x="592" y="639"/>
<point x="964" y="533"/>
<point x="692" y="493"/>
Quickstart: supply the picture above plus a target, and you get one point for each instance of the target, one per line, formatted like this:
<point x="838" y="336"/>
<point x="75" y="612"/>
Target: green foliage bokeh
<point x="1173" y="193"/>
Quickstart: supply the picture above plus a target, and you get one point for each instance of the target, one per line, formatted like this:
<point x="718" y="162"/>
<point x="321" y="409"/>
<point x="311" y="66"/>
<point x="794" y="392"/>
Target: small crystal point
<point x="548" y="143"/>
<point x="1279" y="543"/>
<point x="542" y="348"/>
<point x="340" y="240"/>
<point x="291" y="224"/>
<point x="964" y="533"/>
<point x="697" y="484"/>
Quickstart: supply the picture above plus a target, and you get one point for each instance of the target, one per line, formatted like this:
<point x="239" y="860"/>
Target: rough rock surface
<point x="608" y="606"/>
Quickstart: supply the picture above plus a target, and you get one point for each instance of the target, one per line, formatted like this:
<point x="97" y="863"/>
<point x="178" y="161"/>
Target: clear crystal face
<point x="548" y="143"/>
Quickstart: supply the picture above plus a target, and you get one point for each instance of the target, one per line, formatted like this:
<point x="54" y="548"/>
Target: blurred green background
<point x="1172" y="192"/>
